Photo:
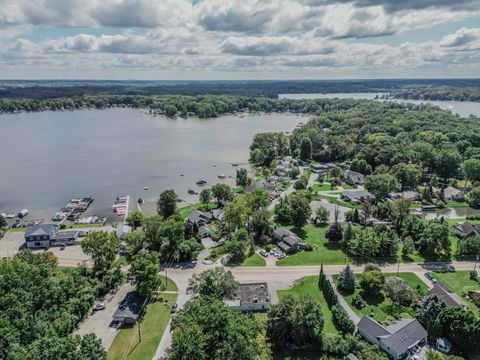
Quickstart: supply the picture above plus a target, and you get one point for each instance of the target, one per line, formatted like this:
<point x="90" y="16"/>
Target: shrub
<point x="308" y="247"/>
<point x="473" y="275"/>
<point x="358" y="302"/>
<point x="341" y="320"/>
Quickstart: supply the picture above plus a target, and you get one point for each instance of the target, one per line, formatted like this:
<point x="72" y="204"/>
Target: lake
<point x="47" y="158"/>
<point x="462" y="108"/>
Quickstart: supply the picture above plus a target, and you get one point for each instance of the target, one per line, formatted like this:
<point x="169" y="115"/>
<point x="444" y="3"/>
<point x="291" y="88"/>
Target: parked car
<point x="264" y="253"/>
<point x="99" y="306"/>
<point x="63" y="247"/>
<point x="174" y="308"/>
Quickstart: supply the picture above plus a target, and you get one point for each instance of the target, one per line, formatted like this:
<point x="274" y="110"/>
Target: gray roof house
<point x="286" y="240"/>
<point x="447" y="295"/>
<point x="397" y="339"/>
<point x="40" y="236"/>
<point x="357" y="197"/>
<point x="130" y="308"/>
<point x="405" y="195"/>
<point x="250" y="298"/>
<point x="466" y="229"/>
<point x="454" y="194"/>
<point x="201" y="218"/>
<point x="352" y="177"/>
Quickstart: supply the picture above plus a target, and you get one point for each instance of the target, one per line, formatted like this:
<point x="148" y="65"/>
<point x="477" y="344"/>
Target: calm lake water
<point x="462" y="108"/>
<point x="46" y="158"/>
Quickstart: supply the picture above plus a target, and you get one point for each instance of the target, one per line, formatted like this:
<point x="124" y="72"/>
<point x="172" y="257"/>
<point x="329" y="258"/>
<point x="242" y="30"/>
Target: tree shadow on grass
<point x="373" y="300"/>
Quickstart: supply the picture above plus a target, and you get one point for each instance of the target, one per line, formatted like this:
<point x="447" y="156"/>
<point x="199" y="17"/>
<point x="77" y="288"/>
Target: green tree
<point x="306" y="149"/>
<point x="435" y="240"/>
<point x="428" y="310"/>
<point x="238" y="245"/>
<point x="342" y="320"/>
<point x="447" y="163"/>
<point x="261" y="223"/>
<point x="335" y="172"/>
<point x="372" y="283"/>
<point x="473" y="197"/>
<point x="222" y="193"/>
<point x="322" y="215"/>
<point x="3" y="222"/>
<point x="242" y="177"/>
<point x="135" y="219"/>
<point x="407" y="174"/>
<point x="381" y="184"/>
<point x="205" y="328"/>
<point x="103" y="247"/>
<point x="134" y="241"/>
<point x="334" y="233"/>
<point x="205" y="196"/>
<point x="167" y="203"/>
<point x="471" y="169"/>
<point x="300" y="210"/>
<point x="216" y="283"/>
<point x="346" y="279"/>
<point x="297" y="321"/>
<point x="144" y="272"/>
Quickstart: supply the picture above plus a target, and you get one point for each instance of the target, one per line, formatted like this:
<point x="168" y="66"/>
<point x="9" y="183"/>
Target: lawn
<point x="336" y="200"/>
<point x="152" y="328"/>
<point x="346" y="186"/>
<point x="254" y="260"/>
<point x="170" y="285"/>
<point x="322" y="187"/>
<point x="309" y="286"/>
<point x="460" y="283"/>
<point x="379" y="308"/>
<point x="322" y="250"/>
<point x="187" y="210"/>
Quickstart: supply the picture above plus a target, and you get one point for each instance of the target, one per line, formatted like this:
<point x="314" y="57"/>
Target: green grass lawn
<point x="322" y="187"/>
<point x="336" y="200"/>
<point x="187" y="210"/>
<point x="152" y="328"/>
<point x="460" y="283"/>
<point x="346" y="186"/>
<point x="309" y="286"/>
<point x="379" y="308"/>
<point x="254" y="260"/>
<point x="322" y="251"/>
<point x="456" y="204"/>
<point x="170" y="284"/>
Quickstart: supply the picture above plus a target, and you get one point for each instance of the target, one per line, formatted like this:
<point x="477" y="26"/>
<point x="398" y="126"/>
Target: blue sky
<point x="229" y="39"/>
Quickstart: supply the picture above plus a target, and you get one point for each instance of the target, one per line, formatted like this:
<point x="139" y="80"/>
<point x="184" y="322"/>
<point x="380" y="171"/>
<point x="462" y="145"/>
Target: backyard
<point x="309" y="286"/>
<point x="460" y="283"/>
<point x="379" y="308"/>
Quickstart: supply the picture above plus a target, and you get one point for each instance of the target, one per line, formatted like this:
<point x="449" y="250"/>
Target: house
<point x="130" y="308"/>
<point x="351" y="357"/>
<point x="261" y="184"/>
<point x="40" y="236"/>
<point x="358" y="197"/>
<point x="466" y="229"/>
<point x="443" y="345"/>
<point x="123" y="230"/>
<point x="217" y="214"/>
<point x="250" y="298"/>
<point x="65" y="237"/>
<point x="446" y="294"/>
<point x="405" y="195"/>
<point x="375" y="222"/>
<point x="201" y="218"/>
<point x="453" y="194"/>
<point x="397" y="339"/>
<point x="474" y="295"/>
<point x="286" y="240"/>
<point x="352" y="177"/>
<point x="319" y="168"/>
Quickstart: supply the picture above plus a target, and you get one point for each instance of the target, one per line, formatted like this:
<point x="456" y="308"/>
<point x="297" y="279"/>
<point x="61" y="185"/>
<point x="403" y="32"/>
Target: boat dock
<point x="121" y="206"/>
<point x="73" y="209"/>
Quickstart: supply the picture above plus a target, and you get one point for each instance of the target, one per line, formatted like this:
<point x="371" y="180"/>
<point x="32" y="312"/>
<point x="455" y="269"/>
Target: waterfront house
<point x="39" y="236"/>
<point x="286" y="240"/>
<point x="65" y="237"/>
<point x="261" y="184"/>
<point x="466" y="229"/>
<point x="453" y="194"/>
<point x="358" y="197"/>
<point x="397" y="340"/>
<point x="352" y="177"/>
<point x="123" y="230"/>
<point x="446" y="294"/>
<point x="250" y="298"/>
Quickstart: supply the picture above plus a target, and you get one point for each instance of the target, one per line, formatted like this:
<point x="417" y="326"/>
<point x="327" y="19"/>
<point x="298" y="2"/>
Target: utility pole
<point x="475" y="267"/>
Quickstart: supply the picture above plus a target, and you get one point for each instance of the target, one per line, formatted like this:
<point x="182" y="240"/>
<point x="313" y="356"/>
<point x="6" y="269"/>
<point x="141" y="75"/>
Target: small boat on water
<point x="214" y="165"/>
<point x="182" y="174"/>
<point x="234" y="164"/>
<point x="192" y="192"/>
<point x="201" y="182"/>
<point x="179" y="199"/>
<point x="145" y="188"/>
<point x="22" y="213"/>
<point x="221" y="176"/>
<point x="429" y="207"/>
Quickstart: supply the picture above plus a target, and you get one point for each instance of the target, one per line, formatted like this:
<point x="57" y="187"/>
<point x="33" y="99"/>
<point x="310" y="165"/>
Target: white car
<point x="99" y="306"/>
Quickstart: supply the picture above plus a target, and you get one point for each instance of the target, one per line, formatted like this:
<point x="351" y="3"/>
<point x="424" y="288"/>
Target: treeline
<point x="41" y="305"/>
<point x="16" y="89"/>
<point x="176" y="105"/>
<point x="448" y="93"/>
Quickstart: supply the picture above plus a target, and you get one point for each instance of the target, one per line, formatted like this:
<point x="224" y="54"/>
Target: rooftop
<point x="255" y="293"/>
<point x="446" y="294"/>
<point x="40" y="229"/>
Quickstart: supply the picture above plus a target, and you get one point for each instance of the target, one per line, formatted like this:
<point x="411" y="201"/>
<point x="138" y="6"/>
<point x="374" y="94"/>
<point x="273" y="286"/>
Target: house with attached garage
<point x="446" y="294"/>
<point x="40" y="236"/>
<point x="398" y="340"/>
<point x="286" y="240"/>
<point x="352" y="177"/>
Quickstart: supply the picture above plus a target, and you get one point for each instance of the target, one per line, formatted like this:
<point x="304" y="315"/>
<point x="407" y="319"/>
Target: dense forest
<point x="448" y="93"/>
<point x="50" y="89"/>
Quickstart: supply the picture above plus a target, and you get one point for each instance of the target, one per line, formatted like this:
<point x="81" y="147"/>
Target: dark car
<point x="174" y="308"/>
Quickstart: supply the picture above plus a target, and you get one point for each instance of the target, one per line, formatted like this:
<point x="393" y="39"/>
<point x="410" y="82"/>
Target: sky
<point x="239" y="39"/>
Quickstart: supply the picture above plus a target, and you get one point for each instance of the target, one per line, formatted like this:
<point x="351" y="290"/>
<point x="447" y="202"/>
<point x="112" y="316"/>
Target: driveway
<point x="11" y="243"/>
<point x="100" y="322"/>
